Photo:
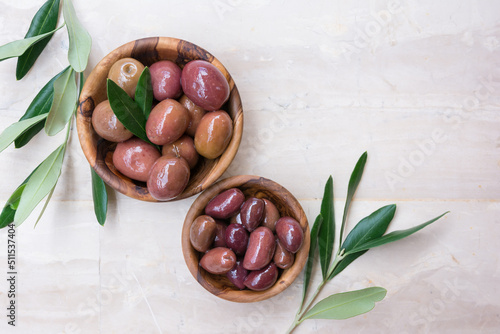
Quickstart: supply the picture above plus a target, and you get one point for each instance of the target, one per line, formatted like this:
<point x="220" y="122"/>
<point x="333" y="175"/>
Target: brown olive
<point x="220" y="233"/>
<point x="182" y="147"/>
<point x="167" y="122"/>
<point x="202" y="233"/>
<point x="218" y="260"/>
<point x="166" y="80"/>
<point x="204" y="84"/>
<point x="107" y="125"/>
<point x="125" y="73"/>
<point x="213" y="134"/>
<point x="195" y="112"/>
<point x="271" y="215"/>
<point x="134" y="158"/>
<point x="168" y="178"/>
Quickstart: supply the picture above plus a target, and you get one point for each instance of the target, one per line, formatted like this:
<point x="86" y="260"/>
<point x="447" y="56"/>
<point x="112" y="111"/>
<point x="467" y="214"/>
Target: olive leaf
<point x="19" y="47"/>
<point x="347" y="304"/>
<point x="326" y="236"/>
<point x="80" y="41"/>
<point x="144" y="92"/>
<point x="16" y="129"/>
<point x="393" y="236"/>
<point x="100" y="197"/>
<point x="64" y="102"/>
<point x="9" y="209"/>
<point x="44" y="21"/>
<point x="354" y="180"/>
<point x="126" y="110"/>
<point x="40" y="184"/>
<point x="312" y="253"/>
<point x="41" y="104"/>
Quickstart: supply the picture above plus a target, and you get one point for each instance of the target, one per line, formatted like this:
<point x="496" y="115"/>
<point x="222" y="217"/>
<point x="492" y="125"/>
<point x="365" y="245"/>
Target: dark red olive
<point x="237" y="238"/>
<point x="260" y="249"/>
<point x="237" y="275"/>
<point x="263" y="279"/>
<point x="290" y="233"/>
<point x="226" y="204"/>
<point x="283" y="258"/>
<point x="220" y="234"/>
<point x="252" y="212"/>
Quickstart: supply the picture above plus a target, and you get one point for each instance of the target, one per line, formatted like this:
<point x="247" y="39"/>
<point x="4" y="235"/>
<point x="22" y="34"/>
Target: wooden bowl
<point x="99" y="152"/>
<point x="258" y="187"/>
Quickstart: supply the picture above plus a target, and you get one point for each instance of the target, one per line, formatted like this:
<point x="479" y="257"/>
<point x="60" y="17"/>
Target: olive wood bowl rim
<point x="152" y="48"/>
<point x="209" y="281"/>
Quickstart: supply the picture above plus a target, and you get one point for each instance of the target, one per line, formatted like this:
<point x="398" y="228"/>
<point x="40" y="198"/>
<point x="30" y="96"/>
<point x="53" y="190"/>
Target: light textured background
<point x="415" y="83"/>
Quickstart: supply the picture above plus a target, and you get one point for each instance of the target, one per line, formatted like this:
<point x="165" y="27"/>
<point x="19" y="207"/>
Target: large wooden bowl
<point x="99" y="152"/>
<point x="258" y="187"/>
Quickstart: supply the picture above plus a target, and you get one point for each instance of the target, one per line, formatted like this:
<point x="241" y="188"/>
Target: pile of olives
<point x="245" y="239"/>
<point x="186" y="121"/>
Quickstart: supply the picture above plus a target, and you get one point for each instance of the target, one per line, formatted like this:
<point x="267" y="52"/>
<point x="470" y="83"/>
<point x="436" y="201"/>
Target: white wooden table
<point x="416" y="84"/>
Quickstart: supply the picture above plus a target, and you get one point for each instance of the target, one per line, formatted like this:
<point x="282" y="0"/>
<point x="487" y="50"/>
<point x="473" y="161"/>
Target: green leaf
<point x="16" y="129"/>
<point x="369" y="228"/>
<point x="351" y="189"/>
<point x="312" y="252"/>
<point x="41" y="104"/>
<point x="63" y="105"/>
<point x="80" y="41"/>
<point x="45" y="20"/>
<point x="126" y="110"/>
<point x="40" y="184"/>
<point x="19" y="47"/>
<point x="45" y="204"/>
<point x="100" y="197"/>
<point x="347" y="304"/>
<point x="326" y="237"/>
<point x="393" y="236"/>
<point x="9" y="209"/>
<point x="144" y="92"/>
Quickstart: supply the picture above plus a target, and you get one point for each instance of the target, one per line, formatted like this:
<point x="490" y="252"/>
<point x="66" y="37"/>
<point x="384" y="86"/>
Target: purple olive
<point x="271" y="215"/>
<point x="283" y="258"/>
<point x="218" y="260"/>
<point x="263" y="279"/>
<point x="237" y="238"/>
<point x="252" y="212"/>
<point x="226" y="204"/>
<point x="290" y="233"/>
<point x="237" y="275"/>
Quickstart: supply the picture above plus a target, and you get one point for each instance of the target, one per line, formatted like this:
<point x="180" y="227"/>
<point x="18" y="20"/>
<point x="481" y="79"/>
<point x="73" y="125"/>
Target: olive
<point x="225" y="204"/>
<point x="195" y="114"/>
<point x="202" y="233"/>
<point x="290" y="233"/>
<point x="283" y="258"/>
<point x="218" y="260"/>
<point x="220" y="234"/>
<point x="271" y="215"/>
<point x="182" y="147"/>
<point x="237" y="275"/>
<point x="260" y="249"/>
<point x="134" y="158"/>
<point x="236" y="238"/>
<point x="236" y="219"/>
<point x="107" y="125"/>
<point x="168" y="178"/>
<point x="262" y="279"/>
<point x="166" y="80"/>
<point x="204" y="84"/>
<point x="252" y="212"/>
<point x="213" y="134"/>
<point x="125" y="73"/>
<point x="167" y="122"/>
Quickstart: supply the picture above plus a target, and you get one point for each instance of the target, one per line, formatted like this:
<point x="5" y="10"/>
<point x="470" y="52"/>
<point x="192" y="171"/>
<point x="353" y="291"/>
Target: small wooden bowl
<point x="99" y="152"/>
<point x="258" y="187"/>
